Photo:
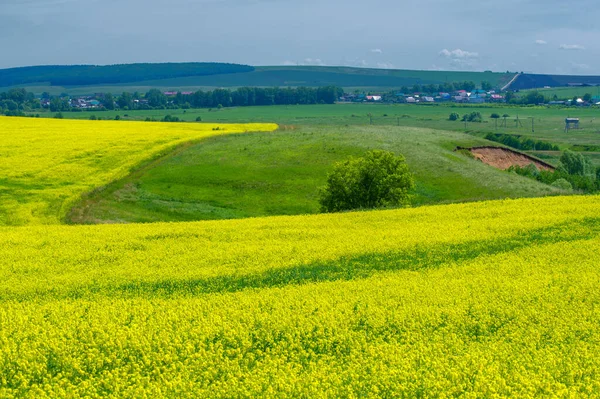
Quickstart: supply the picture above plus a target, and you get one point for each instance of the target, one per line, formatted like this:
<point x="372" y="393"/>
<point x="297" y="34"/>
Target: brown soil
<point x="504" y="158"/>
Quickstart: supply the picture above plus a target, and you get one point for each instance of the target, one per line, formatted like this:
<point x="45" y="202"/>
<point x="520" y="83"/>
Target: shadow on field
<point x="352" y="268"/>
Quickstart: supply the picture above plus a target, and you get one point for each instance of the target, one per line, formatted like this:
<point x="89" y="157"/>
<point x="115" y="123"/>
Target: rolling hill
<point x="141" y="77"/>
<point x="535" y="81"/>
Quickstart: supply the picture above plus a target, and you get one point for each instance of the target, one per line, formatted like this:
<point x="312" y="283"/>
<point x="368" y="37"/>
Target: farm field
<point x="485" y="299"/>
<point x="481" y="299"/>
<point x="48" y="164"/>
<point x="567" y="92"/>
<point x="548" y="122"/>
<point x="281" y="172"/>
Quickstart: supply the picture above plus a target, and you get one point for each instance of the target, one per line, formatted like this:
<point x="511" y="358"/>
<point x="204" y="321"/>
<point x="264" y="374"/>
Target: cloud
<point x="580" y="67"/>
<point x="541" y="42"/>
<point x="385" y="65"/>
<point x="306" y="61"/>
<point x="458" y="54"/>
<point x="377" y="51"/>
<point x="313" y="61"/>
<point x="571" y="47"/>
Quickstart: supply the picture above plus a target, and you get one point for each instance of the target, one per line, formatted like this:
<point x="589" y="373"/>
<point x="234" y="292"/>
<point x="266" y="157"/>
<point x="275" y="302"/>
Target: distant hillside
<point x="534" y="81"/>
<point x="86" y="75"/>
<point x="141" y="77"/>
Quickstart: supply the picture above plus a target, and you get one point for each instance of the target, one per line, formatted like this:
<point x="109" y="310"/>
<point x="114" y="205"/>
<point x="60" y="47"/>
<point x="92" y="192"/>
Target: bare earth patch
<point x="504" y="158"/>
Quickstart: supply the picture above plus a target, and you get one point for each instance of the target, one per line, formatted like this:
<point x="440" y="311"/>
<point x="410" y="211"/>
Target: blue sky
<point x="546" y="36"/>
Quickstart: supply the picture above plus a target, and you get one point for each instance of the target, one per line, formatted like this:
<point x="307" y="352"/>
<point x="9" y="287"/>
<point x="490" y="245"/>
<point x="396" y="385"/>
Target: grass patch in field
<point x="280" y="173"/>
<point x="46" y="165"/>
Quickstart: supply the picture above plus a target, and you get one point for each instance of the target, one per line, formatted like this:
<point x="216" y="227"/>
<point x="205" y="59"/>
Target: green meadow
<point x="280" y="173"/>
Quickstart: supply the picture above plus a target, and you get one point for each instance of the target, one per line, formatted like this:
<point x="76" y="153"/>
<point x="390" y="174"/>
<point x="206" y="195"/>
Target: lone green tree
<point x="378" y="179"/>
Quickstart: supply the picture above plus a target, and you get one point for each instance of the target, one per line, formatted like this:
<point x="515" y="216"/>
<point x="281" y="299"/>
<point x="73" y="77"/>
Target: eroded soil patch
<point x="504" y="158"/>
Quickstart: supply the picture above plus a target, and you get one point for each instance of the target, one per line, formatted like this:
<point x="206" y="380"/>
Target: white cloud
<point x="377" y="51"/>
<point x="458" y="54"/>
<point x="571" y="47"/>
<point x="385" y="65"/>
<point x="541" y="42"/>
<point x="306" y="61"/>
<point x="434" y="67"/>
<point x="580" y="67"/>
<point x="313" y="61"/>
<point x="355" y="63"/>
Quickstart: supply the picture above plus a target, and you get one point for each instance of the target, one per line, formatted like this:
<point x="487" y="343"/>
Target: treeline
<point x="574" y="172"/>
<point x="15" y="101"/>
<point x="535" y="97"/>
<point x="74" y="75"/>
<point x="521" y="143"/>
<point x="245" y="96"/>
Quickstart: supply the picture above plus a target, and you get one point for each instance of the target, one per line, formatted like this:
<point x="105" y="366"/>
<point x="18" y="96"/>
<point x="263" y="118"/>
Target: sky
<point x="537" y="36"/>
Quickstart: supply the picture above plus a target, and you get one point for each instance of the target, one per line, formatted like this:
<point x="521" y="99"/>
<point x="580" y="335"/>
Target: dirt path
<point x="504" y="158"/>
<point x="506" y="86"/>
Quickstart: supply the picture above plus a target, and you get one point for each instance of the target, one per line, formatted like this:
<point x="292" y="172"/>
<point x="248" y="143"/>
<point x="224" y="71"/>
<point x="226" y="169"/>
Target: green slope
<point x="268" y="76"/>
<point x="280" y="173"/>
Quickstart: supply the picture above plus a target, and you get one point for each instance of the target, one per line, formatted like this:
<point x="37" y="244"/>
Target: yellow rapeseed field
<point x="47" y="164"/>
<point x="480" y="300"/>
<point x="492" y="299"/>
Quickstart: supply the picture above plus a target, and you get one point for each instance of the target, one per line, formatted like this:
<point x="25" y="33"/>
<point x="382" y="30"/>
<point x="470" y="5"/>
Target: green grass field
<point x="548" y="122"/>
<point x="566" y="92"/>
<point x="280" y="173"/>
<point x="269" y="174"/>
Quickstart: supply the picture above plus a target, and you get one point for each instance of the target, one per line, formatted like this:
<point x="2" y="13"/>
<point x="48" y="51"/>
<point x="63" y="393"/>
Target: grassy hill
<point x="279" y="173"/>
<point x="267" y="76"/>
<point x="532" y="81"/>
<point x="82" y="75"/>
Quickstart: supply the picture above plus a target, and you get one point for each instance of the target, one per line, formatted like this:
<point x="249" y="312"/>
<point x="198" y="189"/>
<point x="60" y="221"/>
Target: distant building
<point x="571" y="123"/>
<point x="476" y="100"/>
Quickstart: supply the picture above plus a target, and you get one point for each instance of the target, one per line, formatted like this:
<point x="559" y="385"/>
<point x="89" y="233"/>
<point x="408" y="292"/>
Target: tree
<point x="108" y="101"/>
<point x="509" y="96"/>
<point x="587" y="97"/>
<point x="379" y="179"/>
<point x="156" y="98"/>
<point x="574" y="163"/>
<point x="487" y="86"/>
<point x="534" y="97"/>
<point x="125" y="101"/>
<point x="454" y="116"/>
<point x="59" y="104"/>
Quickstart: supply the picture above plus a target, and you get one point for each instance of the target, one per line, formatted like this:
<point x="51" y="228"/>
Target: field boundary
<point x="76" y="214"/>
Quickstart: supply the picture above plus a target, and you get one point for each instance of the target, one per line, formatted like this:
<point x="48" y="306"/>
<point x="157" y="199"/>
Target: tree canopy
<point x="378" y="179"/>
